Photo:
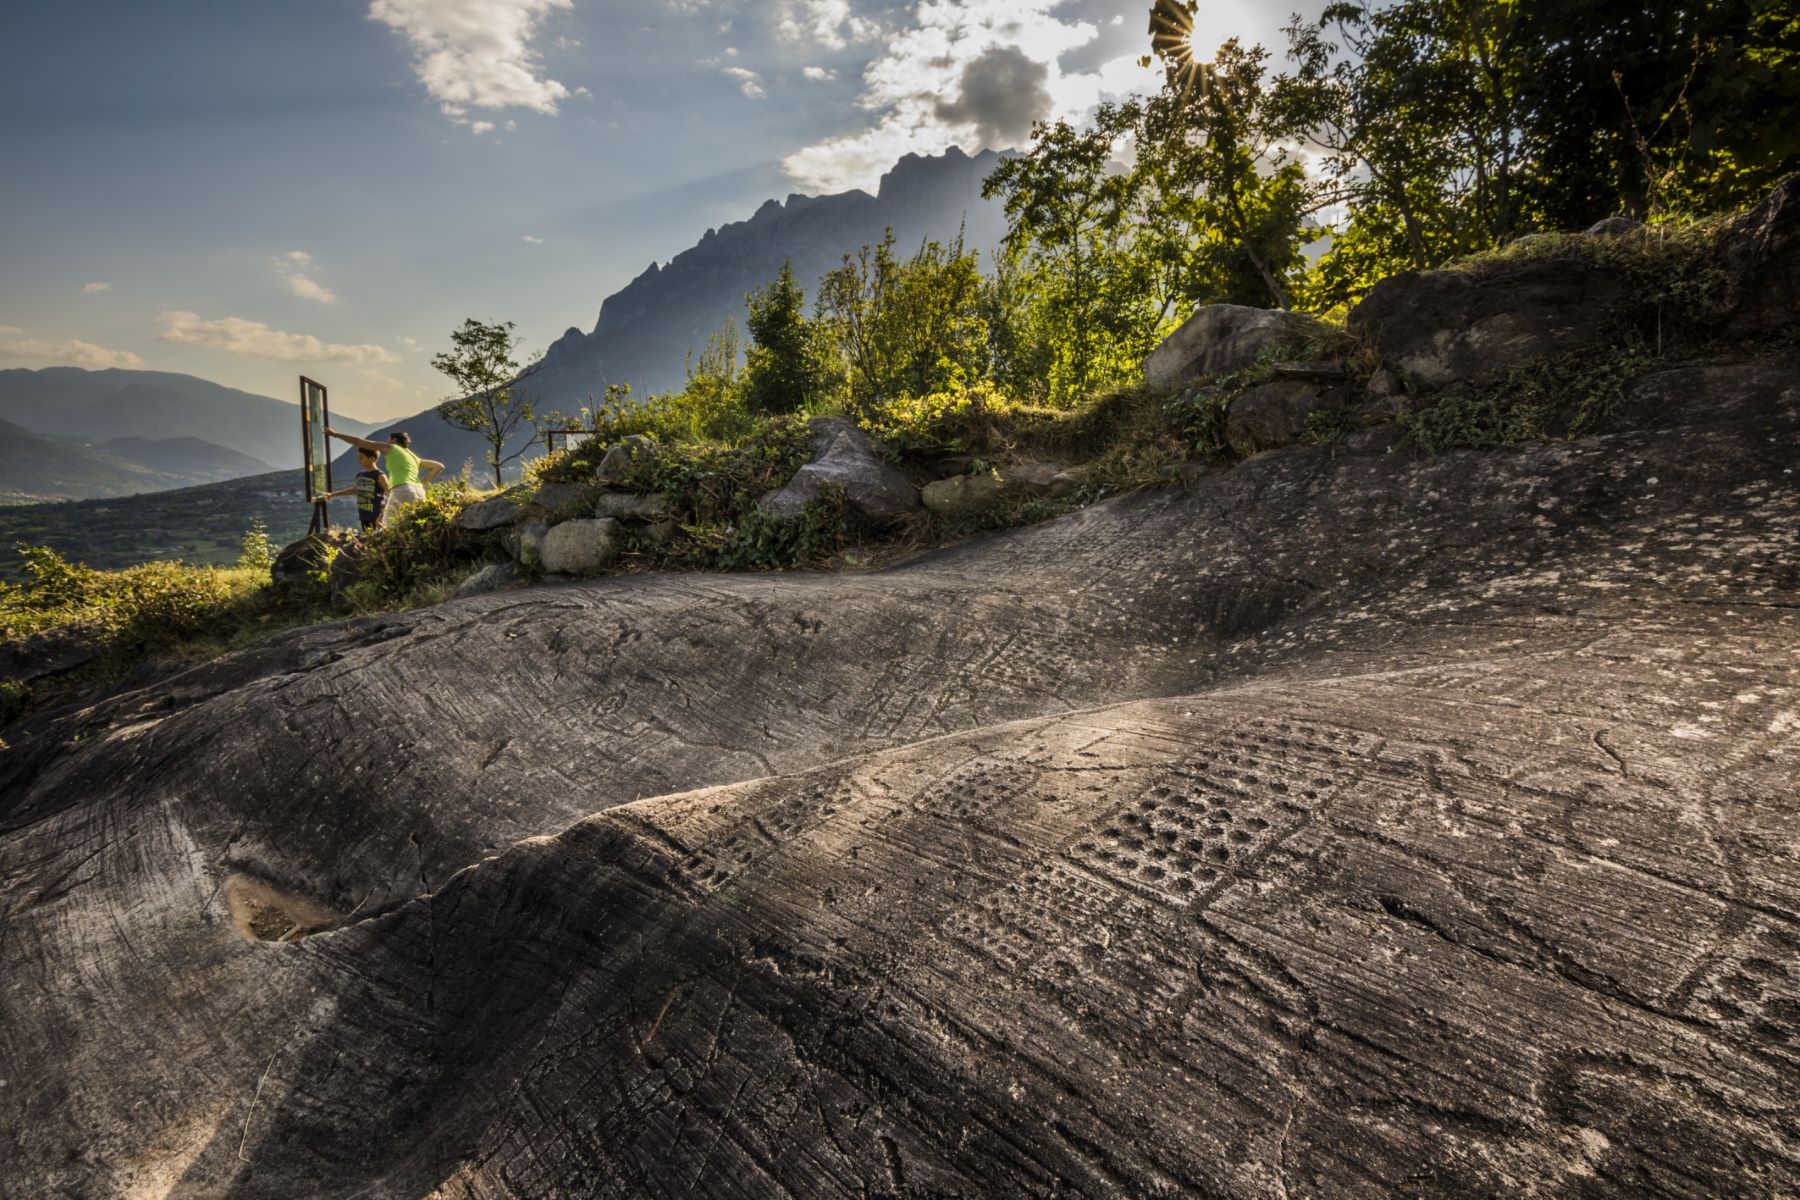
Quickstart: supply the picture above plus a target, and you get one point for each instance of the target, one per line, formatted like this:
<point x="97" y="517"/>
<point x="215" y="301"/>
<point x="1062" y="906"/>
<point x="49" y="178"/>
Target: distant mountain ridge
<point x="97" y="406"/>
<point x="644" y="331"/>
<point x="51" y="467"/>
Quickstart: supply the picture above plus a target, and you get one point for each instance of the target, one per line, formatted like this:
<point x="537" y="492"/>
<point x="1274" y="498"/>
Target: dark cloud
<point x="1003" y="92"/>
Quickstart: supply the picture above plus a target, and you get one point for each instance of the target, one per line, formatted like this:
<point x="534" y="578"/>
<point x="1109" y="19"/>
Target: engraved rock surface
<point x="1331" y="826"/>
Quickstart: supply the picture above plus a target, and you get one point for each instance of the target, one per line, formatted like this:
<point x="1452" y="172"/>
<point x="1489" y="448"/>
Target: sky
<point x="249" y="190"/>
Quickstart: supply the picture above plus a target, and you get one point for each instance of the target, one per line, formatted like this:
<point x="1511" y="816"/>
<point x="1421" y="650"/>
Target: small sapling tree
<point x="490" y="399"/>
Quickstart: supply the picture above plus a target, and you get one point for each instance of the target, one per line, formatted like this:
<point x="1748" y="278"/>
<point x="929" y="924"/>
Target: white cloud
<point x="827" y="23"/>
<point x="295" y="268"/>
<point x="73" y="352"/>
<point x="822" y="74"/>
<point x="253" y="339"/>
<point x="411" y="343"/>
<point x="922" y="96"/>
<point x="536" y="241"/>
<point x="89" y="289"/>
<point x="749" y="82"/>
<point x="10" y="330"/>
<point x="476" y="53"/>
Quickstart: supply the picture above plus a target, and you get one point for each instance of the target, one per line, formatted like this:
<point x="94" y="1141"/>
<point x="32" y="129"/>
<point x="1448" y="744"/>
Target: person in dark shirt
<point x="370" y="489"/>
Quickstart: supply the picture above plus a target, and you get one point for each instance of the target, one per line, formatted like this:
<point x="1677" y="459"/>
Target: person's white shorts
<point x="398" y="498"/>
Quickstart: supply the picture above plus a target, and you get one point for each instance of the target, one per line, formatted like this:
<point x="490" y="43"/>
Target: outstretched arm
<point x="365" y="443"/>
<point x="432" y="468"/>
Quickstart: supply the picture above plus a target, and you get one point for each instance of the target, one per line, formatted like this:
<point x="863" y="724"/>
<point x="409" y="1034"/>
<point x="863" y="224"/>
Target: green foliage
<point x="1658" y="110"/>
<point x="760" y="540"/>
<point x="419" y="549"/>
<point x="1079" y="299"/>
<point x="258" y="552"/>
<point x="905" y="328"/>
<point x="791" y="365"/>
<point x="490" y="400"/>
<point x="708" y="483"/>
<point x="145" y="608"/>
<point x="950" y="421"/>
<point x="1451" y="127"/>
<point x="1567" y="397"/>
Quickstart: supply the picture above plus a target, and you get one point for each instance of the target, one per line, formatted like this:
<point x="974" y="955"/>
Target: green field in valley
<point x="197" y="525"/>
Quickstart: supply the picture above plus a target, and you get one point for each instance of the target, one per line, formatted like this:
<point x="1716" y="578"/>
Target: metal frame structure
<point x="321" y="518"/>
<point x="550" y="436"/>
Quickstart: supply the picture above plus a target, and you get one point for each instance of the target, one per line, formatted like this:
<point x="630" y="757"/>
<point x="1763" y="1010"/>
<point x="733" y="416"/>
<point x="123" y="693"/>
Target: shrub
<point x="951" y="421"/>
<point x="419" y="547"/>
<point x="258" y="553"/>
<point x="761" y="540"/>
<point x="1567" y="397"/>
<point x="149" y="607"/>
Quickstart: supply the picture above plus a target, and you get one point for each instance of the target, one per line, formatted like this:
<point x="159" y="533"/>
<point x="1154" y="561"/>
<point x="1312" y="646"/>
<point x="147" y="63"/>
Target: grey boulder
<point x="493" y="513"/>
<point x="1761" y="259"/>
<point x="615" y="462"/>
<point x="1274" y="414"/>
<point x="1228" y="337"/>
<point x="1435" y="328"/>
<point x="630" y="506"/>
<point x="491" y="578"/>
<point x="527" y="543"/>
<point x="872" y="488"/>
<point x="559" y="497"/>
<point x="582" y="547"/>
<point x="962" y="495"/>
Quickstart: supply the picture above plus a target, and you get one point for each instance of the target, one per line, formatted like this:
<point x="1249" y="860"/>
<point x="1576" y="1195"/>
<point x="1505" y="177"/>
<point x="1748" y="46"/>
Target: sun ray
<point x="1172" y="39"/>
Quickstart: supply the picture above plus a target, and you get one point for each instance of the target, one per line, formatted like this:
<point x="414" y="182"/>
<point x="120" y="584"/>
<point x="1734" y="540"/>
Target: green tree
<point x="905" y="328"/>
<point x="1654" y="110"/>
<point x="1081" y="298"/>
<point x="490" y="400"/>
<point x="785" y="370"/>
<point x="1225" y="201"/>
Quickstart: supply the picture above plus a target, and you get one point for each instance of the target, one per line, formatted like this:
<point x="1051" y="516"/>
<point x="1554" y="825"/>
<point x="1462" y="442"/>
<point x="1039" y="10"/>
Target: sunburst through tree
<point x="1172" y="39"/>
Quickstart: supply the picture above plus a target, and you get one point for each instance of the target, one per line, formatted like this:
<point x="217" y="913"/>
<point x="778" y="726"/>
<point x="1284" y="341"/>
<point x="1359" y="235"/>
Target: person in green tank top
<point x="407" y="473"/>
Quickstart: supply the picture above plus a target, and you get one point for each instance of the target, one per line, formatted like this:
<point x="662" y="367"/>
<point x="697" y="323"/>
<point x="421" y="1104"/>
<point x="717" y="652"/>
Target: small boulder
<point x="303" y="563"/>
<point x="491" y="578"/>
<point x="872" y="488"/>
<point x="1383" y="383"/>
<point x="662" y="532"/>
<point x="48" y="652"/>
<point x="582" y="547"/>
<point x="1435" y="328"/>
<point x="614" y="463"/>
<point x="1227" y="337"/>
<point x="1029" y="476"/>
<point x="527" y="544"/>
<point x="1613" y="227"/>
<point x="1063" y="483"/>
<point x="1274" y="414"/>
<point x="630" y="506"/>
<point x="559" y="497"/>
<point x="492" y="513"/>
<point x="826" y="430"/>
<point x="962" y="495"/>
